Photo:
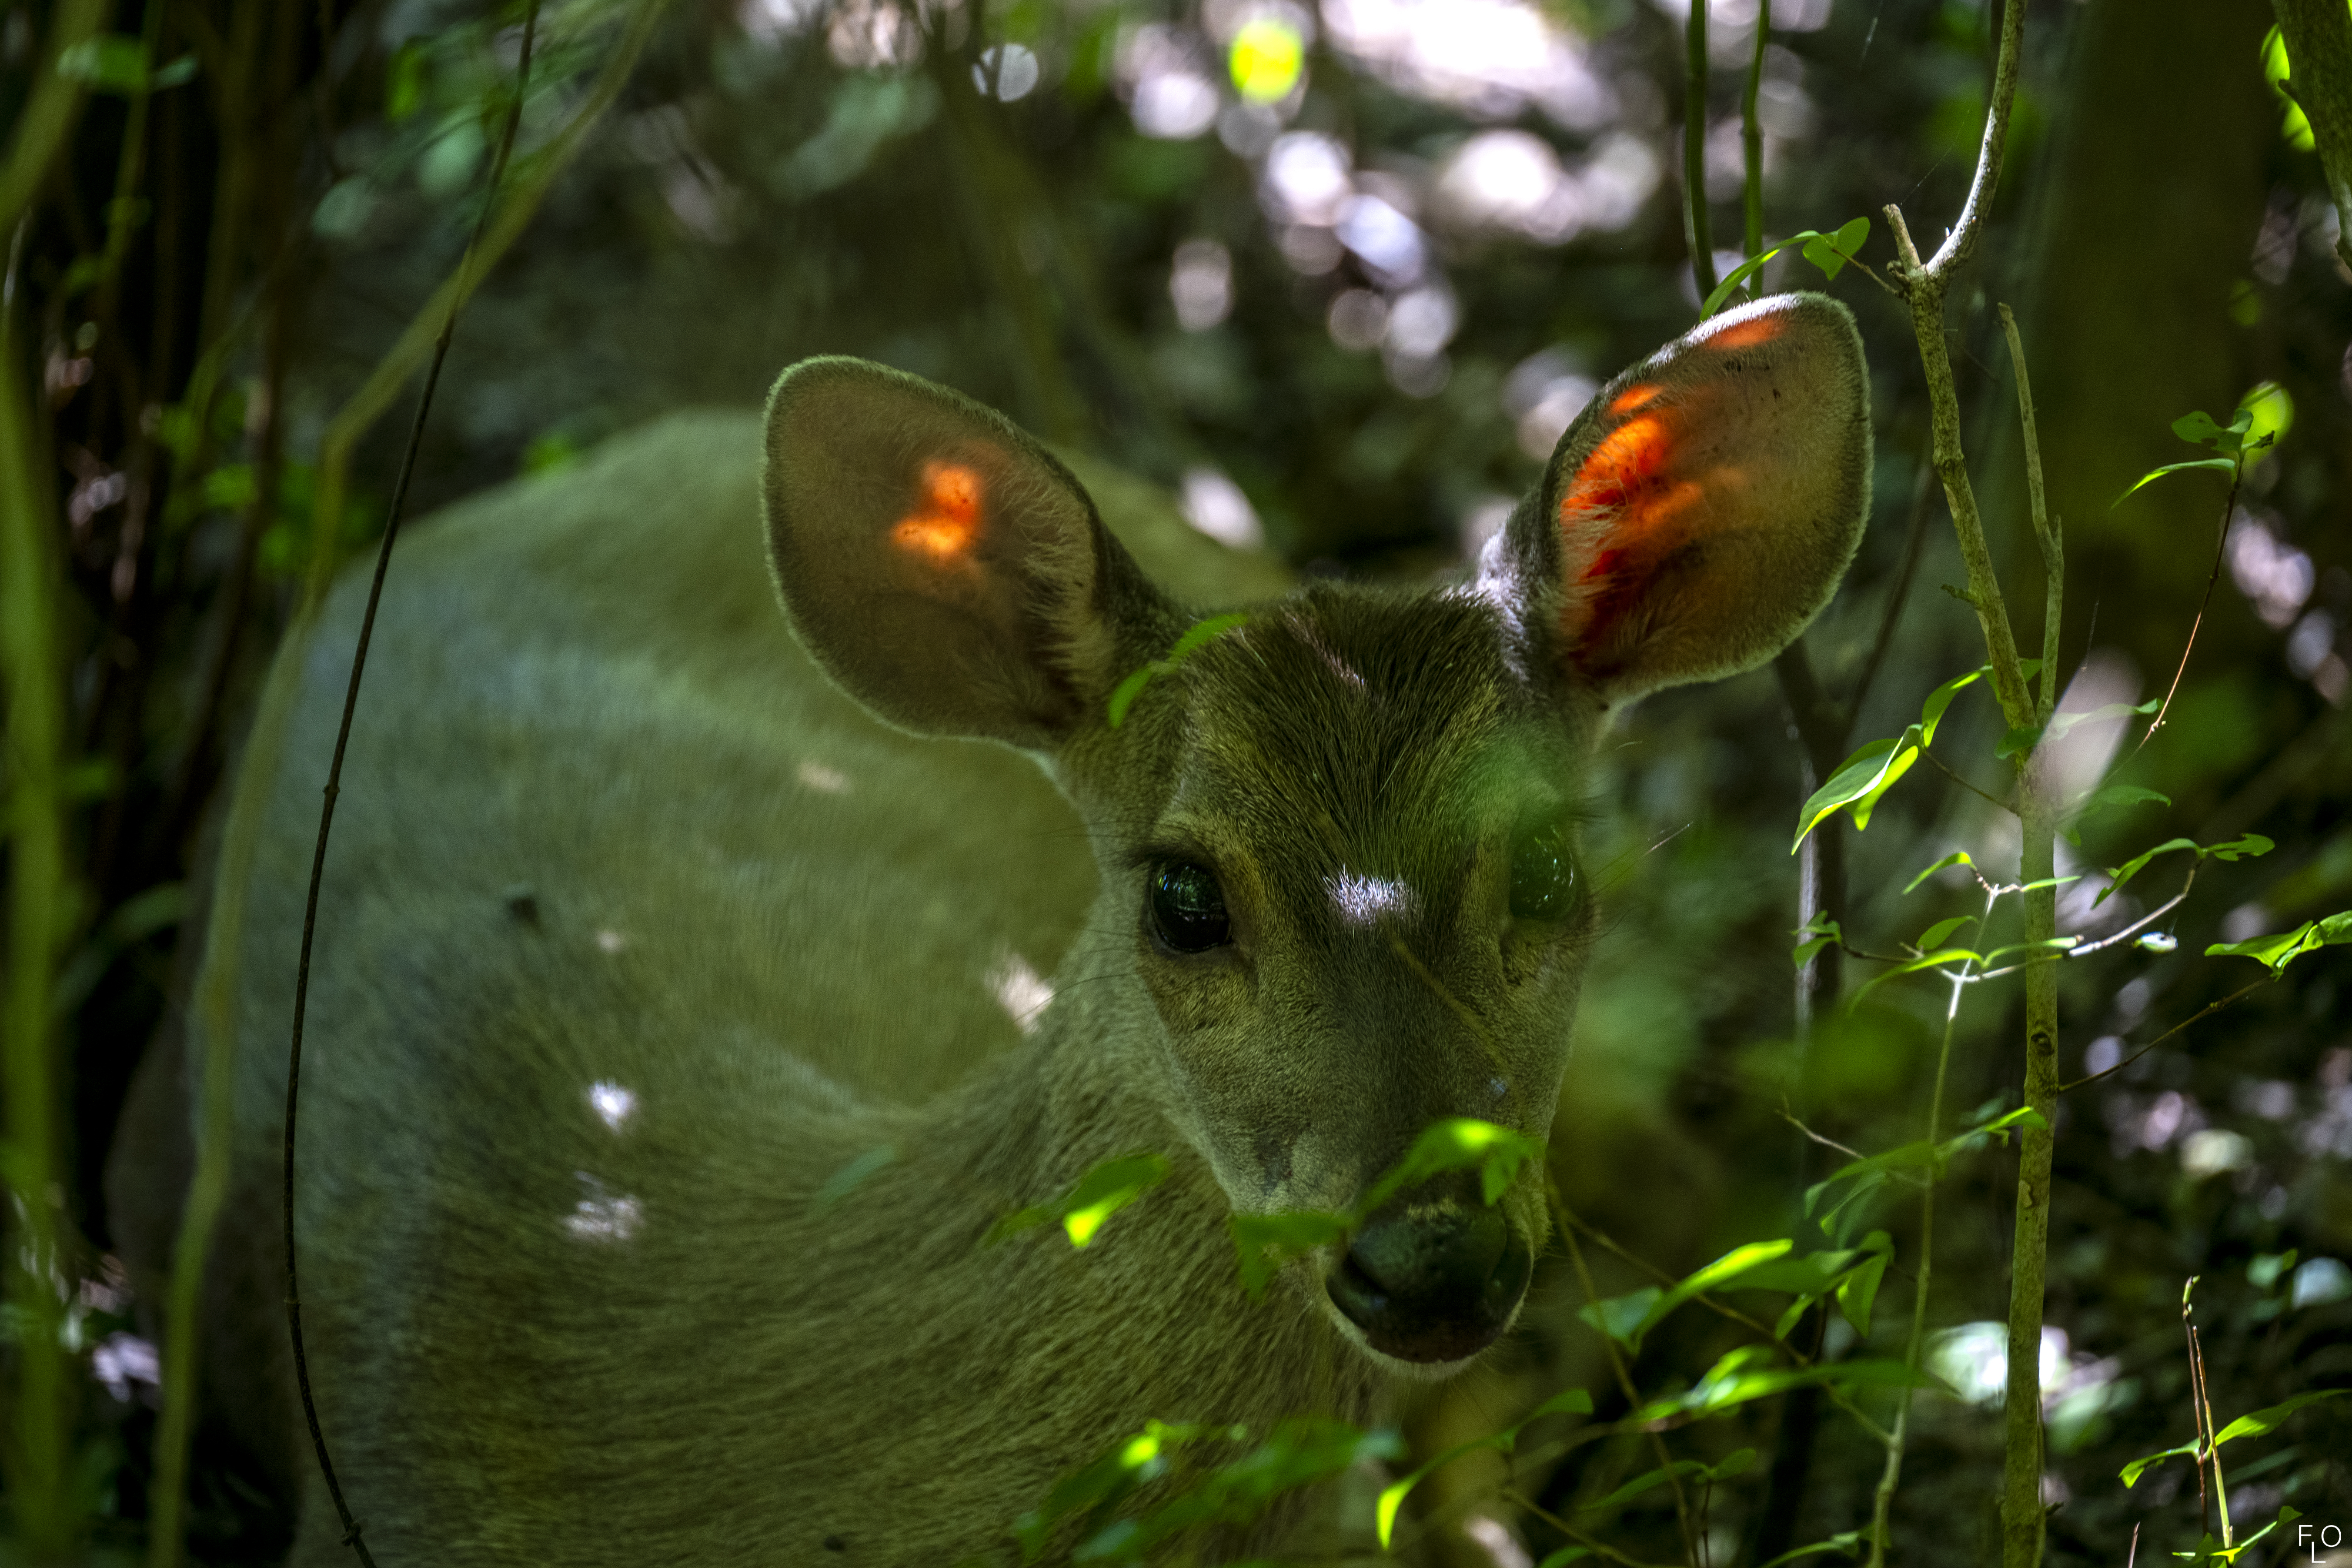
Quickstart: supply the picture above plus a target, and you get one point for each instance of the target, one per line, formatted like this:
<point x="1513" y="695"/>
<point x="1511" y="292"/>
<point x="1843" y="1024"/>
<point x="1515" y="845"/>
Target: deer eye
<point x="1543" y="875"/>
<point x="1188" y="908"/>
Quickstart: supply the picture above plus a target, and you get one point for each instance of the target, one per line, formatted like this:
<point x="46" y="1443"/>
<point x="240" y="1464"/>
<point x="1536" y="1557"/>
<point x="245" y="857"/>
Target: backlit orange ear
<point x="946" y="519"/>
<point x="944" y="569"/>
<point x="1708" y="499"/>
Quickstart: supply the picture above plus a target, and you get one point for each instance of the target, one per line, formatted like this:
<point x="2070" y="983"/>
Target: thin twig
<point x="351" y="1526"/>
<point x="1694" y="222"/>
<point x="2209" y="1008"/>
<point x="1826" y="1143"/>
<point x="2045" y="532"/>
<point x="1751" y="146"/>
<point x="1624" y="1377"/>
<point x="2150" y="918"/>
<point x="1593" y="1543"/>
<point x="1939" y="763"/>
<point x="2220" y="547"/>
<point x="1883" y="1499"/>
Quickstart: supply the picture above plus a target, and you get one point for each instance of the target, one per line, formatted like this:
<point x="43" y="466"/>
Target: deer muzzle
<point x="1434" y="1275"/>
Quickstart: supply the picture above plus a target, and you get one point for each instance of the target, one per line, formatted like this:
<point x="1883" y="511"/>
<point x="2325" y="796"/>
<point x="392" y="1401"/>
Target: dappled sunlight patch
<point x="602" y="1214"/>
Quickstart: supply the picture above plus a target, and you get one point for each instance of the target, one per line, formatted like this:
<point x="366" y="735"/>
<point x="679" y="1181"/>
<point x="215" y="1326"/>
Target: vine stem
<point x="33" y="824"/>
<point x="1926" y="284"/>
<point x="1883" y="1500"/>
<point x="460" y="286"/>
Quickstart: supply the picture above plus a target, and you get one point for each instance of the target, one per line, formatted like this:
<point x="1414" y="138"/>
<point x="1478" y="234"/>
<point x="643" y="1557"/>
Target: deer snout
<point x="1433" y="1276"/>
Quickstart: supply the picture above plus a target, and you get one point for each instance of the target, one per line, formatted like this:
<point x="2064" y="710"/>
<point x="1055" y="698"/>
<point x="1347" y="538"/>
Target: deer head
<point x="1341" y="891"/>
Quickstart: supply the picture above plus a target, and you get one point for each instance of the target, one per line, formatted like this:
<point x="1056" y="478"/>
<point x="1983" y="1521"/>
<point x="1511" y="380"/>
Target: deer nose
<point x="1431" y="1278"/>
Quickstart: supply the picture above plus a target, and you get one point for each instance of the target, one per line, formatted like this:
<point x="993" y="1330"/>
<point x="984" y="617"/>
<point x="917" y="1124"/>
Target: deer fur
<point x="668" y="1053"/>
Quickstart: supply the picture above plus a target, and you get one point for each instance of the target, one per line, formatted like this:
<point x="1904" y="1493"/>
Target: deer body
<point x="666" y="1066"/>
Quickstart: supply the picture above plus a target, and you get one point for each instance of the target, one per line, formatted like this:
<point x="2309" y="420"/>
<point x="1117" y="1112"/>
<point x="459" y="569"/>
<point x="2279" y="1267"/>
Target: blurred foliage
<point x="1339" y="276"/>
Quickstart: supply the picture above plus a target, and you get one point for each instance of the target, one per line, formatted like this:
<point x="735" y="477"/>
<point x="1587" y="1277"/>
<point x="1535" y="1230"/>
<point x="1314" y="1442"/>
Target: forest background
<point x="1336" y="279"/>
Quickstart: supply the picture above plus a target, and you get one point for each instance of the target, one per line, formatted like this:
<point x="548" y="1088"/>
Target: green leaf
<point x="2279" y="951"/>
<point x="1264" y="1242"/>
<point x="1851" y="1541"/>
<point x="1641" y="1483"/>
<point x="1932" y="937"/>
<point x="2116" y="796"/>
<point x="1200" y="632"/>
<point x="2242" y="847"/>
<point x="2269" y="1419"/>
<point x="1736" y="1380"/>
<point x="2199" y="429"/>
<point x="1123" y="696"/>
<point x="2221" y="465"/>
<point x="1818" y="932"/>
<point x="1864" y="778"/>
<point x="1458" y="1143"/>
<point x="1832" y="251"/>
<point x="2141" y="1465"/>
<point x="231" y="487"/>
<point x="2268" y="413"/>
<point x="1102" y="1192"/>
<point x="111" y="62"/>
<point x="1859" y="1291"/>
<point x="1934" y="960"/>
<point x="1107" y="1188"/>
<point x="1622" y="1318"/>
<point x="1564" y="1556"/>
<point x="403" y="81"/>
<point x="1957" y="857"/>
<point x="1743" y="272"/>
<point x="1574" y="1402"/>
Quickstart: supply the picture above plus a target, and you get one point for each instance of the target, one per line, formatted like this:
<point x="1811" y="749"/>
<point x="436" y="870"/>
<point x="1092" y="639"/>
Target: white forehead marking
<point x="612" y="1102"/>
<point x="1361" y="900"/>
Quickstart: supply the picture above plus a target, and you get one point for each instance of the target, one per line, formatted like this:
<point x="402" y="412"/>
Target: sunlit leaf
<point x="1957" y="857"/>
<point x="1864" y="776"/>
<point x="2295" y="127"/>
<point x="2218" y="464"/>
<point x="2241" y="847"/>
<point x="2269" y="1419"/>
<point x="1457" y="1142"/>
<point x="1299" y="1451"/>
<point x="2279" y="951"/>
<point x="1735" y="1381"/>
<point x="1102" y="1192"/>
<point x="2140" y="1467"/>
<point x="2269" y="413"/>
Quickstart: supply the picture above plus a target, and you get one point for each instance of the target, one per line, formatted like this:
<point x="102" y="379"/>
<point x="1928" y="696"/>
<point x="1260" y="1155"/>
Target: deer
<point x="684" y="1018"/>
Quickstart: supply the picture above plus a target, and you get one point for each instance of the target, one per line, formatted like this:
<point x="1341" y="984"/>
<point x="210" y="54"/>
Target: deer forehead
<point x="1359" y="748"/>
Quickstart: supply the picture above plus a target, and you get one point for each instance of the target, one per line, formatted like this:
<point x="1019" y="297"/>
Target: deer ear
<point x="1704" y="507"/>
<point x="939" y="564"/>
